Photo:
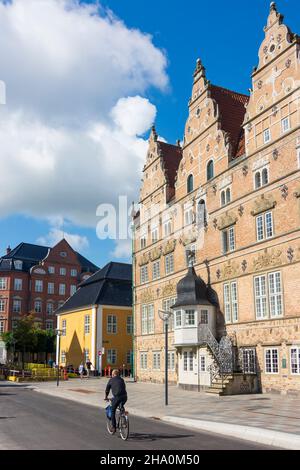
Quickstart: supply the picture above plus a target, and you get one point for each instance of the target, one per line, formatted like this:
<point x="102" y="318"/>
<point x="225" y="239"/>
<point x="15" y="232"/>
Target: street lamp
<point x="58" y="335"/>
<point x="165" y="317"/>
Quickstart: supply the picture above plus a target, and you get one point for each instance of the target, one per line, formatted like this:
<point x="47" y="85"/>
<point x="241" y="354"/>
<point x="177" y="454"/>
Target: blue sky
<point x="225" y="35"/>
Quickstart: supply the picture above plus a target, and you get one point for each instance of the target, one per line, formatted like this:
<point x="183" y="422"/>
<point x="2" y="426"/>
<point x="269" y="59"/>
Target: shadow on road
<point x="155" y="437"/>
<point x="3" y="394"/>
<point x="7" y="417"/>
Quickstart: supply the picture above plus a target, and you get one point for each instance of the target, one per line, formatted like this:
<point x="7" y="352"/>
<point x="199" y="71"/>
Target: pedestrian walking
<point x="81" y="370"/>
<point x="88" y="367"/>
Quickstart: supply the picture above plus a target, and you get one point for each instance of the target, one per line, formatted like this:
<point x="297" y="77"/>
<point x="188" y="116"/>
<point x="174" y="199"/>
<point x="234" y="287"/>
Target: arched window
<point x="257" y="180"/>
<point x="201" y="214"/>
<point x="210" y="170"/>
<point x="265" y="176"/>
<point x="190" y="184"/>
<point x="223" y="198"/>
<point x="228" y="196"/>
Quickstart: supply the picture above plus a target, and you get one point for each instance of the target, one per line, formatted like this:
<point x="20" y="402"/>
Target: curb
<point x="248" y="433"/>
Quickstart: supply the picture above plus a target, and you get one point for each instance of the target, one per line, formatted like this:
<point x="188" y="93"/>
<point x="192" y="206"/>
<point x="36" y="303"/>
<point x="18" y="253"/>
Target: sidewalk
<point x="268" y="419"/>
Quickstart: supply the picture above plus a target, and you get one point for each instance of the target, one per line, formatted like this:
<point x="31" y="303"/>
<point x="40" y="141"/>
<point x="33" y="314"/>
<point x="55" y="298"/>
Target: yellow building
<point x="97" y="323"/>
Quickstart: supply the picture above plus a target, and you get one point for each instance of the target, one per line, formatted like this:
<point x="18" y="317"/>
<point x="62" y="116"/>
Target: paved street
<point x="30" y="420"/>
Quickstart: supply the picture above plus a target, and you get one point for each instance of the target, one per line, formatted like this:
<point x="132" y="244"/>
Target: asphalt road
<point x="30" y="420"/>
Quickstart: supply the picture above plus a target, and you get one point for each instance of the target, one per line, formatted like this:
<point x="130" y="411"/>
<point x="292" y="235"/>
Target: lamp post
<point x="58" y="335"/>
<point x="165" y="317"/>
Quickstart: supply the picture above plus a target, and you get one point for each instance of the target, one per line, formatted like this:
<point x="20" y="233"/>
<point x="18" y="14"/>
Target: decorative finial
<point x="178" y="143"/>
<point x="273" y="7"/>
<point x="153" y="133"/>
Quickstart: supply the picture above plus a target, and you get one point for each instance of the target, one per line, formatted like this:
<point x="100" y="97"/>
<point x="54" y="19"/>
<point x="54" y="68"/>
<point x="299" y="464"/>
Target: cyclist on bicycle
<point x="118" y="388"/>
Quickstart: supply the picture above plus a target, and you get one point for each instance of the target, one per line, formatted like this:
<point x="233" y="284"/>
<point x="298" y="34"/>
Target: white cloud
<point x="70" y="134"/>
<point x="77" y="242"/>
<point x="123" y="250"/>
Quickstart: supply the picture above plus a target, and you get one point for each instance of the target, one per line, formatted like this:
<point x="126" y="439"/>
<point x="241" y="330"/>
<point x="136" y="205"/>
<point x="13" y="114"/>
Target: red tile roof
<point x="232" y="112"/>
<point x="171" y="155"/>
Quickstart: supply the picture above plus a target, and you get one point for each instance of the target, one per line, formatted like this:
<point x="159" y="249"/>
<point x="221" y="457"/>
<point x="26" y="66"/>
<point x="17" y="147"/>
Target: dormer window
<point x="18" y="264"/>
<point x="190" y="184"/>
<point x="63" y="254"/>
<point x="210" y="170"/>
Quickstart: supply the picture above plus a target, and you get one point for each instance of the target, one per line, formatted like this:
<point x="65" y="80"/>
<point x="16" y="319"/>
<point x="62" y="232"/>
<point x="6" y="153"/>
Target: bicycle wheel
<point x="109" y="427"/>
<point x="124" y="427"/>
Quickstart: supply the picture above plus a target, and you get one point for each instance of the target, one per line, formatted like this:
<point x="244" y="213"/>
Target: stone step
<point x="218" y="386"/>
<point x="213" y="391"/>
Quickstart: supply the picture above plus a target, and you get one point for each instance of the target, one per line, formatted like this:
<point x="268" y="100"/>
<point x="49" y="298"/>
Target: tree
<point x="24" y="336"/>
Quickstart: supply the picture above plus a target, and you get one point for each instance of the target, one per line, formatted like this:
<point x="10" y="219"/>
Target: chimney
<point x="8" y="250"/>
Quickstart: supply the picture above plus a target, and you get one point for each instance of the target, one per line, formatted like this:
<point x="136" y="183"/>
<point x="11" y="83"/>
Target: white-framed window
<point x="271" y="361"/>
<point x="171" y="360"/>
<point x="261" y="178"/>
<point x="147" y="319"/>
<point x="144" y="274"/>
<point x="63" y="357"/>
<point x="62" y="271"/>
<point x="178" y="319"/>
<point x="112" y="356"/>
<point x="143" y="242"/>
<point x="50" y="287"/>
<point x="166" y="306"/>
<point x="168" y="228"/>
<point x="51" y="270"/>
<point x="38" y="285"/>
<point x="190" y="317"/>
<point x="74" y="272"/>
<point x="49" y="325"/>
<point x="202" y="364"/>
<point x="129" y="325"/>
<point x="38" y="306"/>
<point x="64" y="327"/>
<point x="267" y="136"/>
<point x="295" y="360"/>
<point x="154" y="235"/>
<point x="156" y="270"/>
<point x="50" y="308"/>
<point x="144" y="360"/>
<point x="62" y="289"/>
<point x="169" y="263"/>
<point x="2" y="305"/>
<point x="17" y="305"/>
<point x="73" y="289"/>
<point x="249" y="360"/>
<point x="228" y="240"/>
<point x="156" y="361"/>
<point x="268" y="296"/>
<point x="112" y="324"/>
<point x="18" y="264"/>
<point x="1" y="327"/>
<point x="188" y="216"/>
<point x="204" y="317"/>
<point x="18" y="284"/>
<point x="225" y="196"/>
<point x="264" y="226"/>
<point x="188" y="361"/>
<point x="231" y="310"/>
<point x="285" y="125"/>
<point x="86" y="355"/>
<point x="3" y="283"/>
<point x="87" y="324"/>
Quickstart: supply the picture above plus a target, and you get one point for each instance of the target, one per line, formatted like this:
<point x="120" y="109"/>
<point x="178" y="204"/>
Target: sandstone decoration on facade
<point x="230" y="270"/>
<point x="263" y="204"/>
<point x="227" y="221"/>
<point x="169" y="290"/>
<point x="268" y="259"/>
<point x="147" y="296"/>
<point x="144" y="260"/>
<point x="169" y="247"/>
<point x="155" y="254"/>
<point x="188" y="238"/>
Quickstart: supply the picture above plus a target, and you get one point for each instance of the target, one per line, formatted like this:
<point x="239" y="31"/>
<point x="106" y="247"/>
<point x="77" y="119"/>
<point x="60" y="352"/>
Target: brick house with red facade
<point x="38" y="280"/>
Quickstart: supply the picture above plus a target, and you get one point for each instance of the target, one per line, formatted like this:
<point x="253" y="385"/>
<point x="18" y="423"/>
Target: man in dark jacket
<point x="118" y="388"/>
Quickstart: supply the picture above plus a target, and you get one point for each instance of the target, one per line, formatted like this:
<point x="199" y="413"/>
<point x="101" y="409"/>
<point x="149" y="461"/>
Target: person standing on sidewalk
<point x="81" y="370"/>
<point x="88" y="367"/>
<point x="118" y="389"/>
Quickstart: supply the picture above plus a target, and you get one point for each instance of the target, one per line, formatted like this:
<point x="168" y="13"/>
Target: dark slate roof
<point x="111" y="285"/>
<point x="33" y="254"/>
<point x="191" y="291"/>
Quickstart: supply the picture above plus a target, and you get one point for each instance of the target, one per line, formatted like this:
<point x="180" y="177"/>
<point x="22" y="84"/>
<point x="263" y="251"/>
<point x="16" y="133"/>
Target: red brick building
<point x="38" y="280"/>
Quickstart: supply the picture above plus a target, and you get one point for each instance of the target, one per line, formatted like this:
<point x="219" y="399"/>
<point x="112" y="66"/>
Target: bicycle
<point x="122" y="422"/>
